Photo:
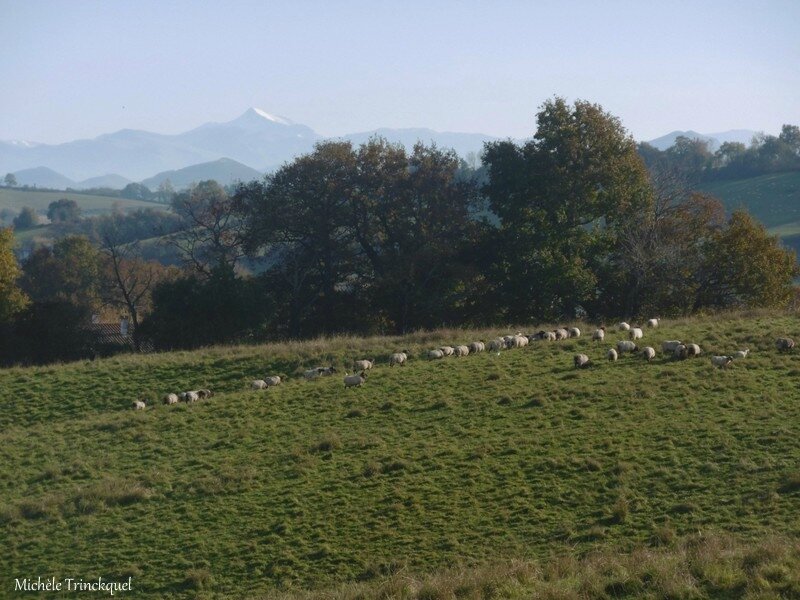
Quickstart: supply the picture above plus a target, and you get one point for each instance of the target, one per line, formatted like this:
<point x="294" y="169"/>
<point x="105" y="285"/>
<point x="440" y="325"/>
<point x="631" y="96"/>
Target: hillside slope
<point x="463" y="461"/>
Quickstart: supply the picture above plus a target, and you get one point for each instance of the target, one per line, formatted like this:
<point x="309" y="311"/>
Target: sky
<point x="78" y="69"/>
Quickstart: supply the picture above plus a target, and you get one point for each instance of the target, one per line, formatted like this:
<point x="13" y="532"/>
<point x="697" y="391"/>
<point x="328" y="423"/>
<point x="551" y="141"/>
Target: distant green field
<point x="90" y="205"/>
<point x="503" y="458"/>
<point x="772" y="199"/>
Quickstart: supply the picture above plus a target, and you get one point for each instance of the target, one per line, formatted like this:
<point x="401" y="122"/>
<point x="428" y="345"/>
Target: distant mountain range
<point x="256" y="140"/>
<point x="715" y="140"/>
<point x="245" y="148"/>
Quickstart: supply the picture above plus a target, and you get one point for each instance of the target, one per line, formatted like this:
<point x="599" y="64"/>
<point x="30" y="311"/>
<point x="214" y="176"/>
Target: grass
<point x="772" y="199"/>
<point x="510" y="475"/>
<point x="15" y="199"/>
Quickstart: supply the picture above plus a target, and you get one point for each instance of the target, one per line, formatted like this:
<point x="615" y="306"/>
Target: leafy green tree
<point x="562" y="199"/>
<point x="10" y="180"/>
<point x="69" y="271"/>
<point x="12" y="298"/>
<point x="63" y="211"/>
<point x="744" y="266"/>
<point x="790" y="135"/>
<point x="136" y="191"/>
<point x="302" y="211"/>
<point x="26" y="219"/>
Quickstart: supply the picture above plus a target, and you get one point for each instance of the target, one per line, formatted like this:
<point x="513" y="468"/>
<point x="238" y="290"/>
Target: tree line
<point x="694" y="160"/>
<point x="379" y="239"/>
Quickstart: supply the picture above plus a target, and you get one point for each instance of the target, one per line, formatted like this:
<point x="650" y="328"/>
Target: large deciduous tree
<point x="562" y="199"/>
<point x="12" y="298"/>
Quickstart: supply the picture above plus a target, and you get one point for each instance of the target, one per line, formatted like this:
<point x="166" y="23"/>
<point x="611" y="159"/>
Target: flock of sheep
<point x="674" y="349"/>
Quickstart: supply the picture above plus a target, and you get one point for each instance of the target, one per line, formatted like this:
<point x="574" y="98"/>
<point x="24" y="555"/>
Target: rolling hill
<point x="89" y="204"/>
<point x="224" y="171"/>
<point x="493" y="474"/>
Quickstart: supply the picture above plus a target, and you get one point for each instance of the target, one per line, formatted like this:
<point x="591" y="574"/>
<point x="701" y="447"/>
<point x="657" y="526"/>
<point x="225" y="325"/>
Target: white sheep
<point x="721" y="361"/>
<point x="635" y="333"/>
<point x="574" y="332"/>
<point x="652" y="323"/>
<point x="561" y="334"/>
<point x="354" y="380"/>
<point x="549" y="336"/>
<point x="784" y="344"/>
<point x="497" y="344"/>
<point x="363" y="365"/>
<point x="447" y="350"/>
<point x="398" y="358"/>
<point x="435" y="354"/>
<point x="741" y="353"/>
<point x="461" y="350"/>
<point x="649" y="353"/>
<point x="680" y="352"/>
<point x="626" y="346"/>
<point x="204" y="394"/>
<point x="170" y="399"/>
<point x="475" y="347"/>
<point x="599" y="335"/>
<point x="191" y="397"/>
<point x="138" y="405"/>
<point x="693" y="350"/>
<point x="612" y="354"/>
<point x="273" y="381"/>
<point x="258" y="384"/>
<point x="581" y="361"/>
<point x="623" y="326"/>
<point x="516" y="341"/>
<point x="669" y="346"/>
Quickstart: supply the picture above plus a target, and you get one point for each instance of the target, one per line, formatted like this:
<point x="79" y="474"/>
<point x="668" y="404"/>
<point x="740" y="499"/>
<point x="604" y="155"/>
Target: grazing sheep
<point x="721" y="361"/>
<point x="635" y="333"/>
<point x="497" y="344"/>
<point x="475" y="347"/>
<point x="462" y="350"/>
<point x="652" y="323"/>
<point x="626" y="346"/>
<point x="574" y="332"/>
<point x="204" y="394"/>
<point x="354" y="380"/>
<point x="680" y="352"/>
<point x="581" y="361"/>
<point x="649" y="353"/>
<point x="435" y="354"/>
<point x="623" y="326"/>
<point x="516" y="341"/>
<point x="258" y="384"/>
<point x="549" y="336"/>
<point x="191" y="397"/>
<point x="273" y="381"/>
<point x="138" y="405"/>
<point x="398" y="358"/>
<point x="599" y="335"/>
<point x="784" y="344"/>
<point x="447" y="350"/>
<point x="741" y="353"/>
<point x="669" y="346"/>
<point x="693" y="350"/>
<point x="561" y="334"/>
<point x="170" y="399"/>
<point x="319" y="372"/>
<point x="363" y="365"/>
<point x="612" y="354"/>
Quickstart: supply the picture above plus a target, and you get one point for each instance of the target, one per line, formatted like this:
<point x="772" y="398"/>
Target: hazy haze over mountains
<point x="238" y="150"/>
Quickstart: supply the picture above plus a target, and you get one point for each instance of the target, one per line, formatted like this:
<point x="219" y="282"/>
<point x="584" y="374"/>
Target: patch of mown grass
<point x="435" y="464"/>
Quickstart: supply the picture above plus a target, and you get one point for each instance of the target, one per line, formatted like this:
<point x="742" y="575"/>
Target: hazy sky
<point x="78" y="68"/>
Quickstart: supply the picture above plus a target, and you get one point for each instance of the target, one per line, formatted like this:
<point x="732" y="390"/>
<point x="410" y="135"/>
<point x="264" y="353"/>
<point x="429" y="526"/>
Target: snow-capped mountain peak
<point x="274" y="118"/>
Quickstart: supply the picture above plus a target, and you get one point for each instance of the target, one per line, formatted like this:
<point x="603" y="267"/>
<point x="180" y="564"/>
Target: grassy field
<point x="509" y="475"/>
<point x="90" y="205"/>
<point x="772" y="199"/>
